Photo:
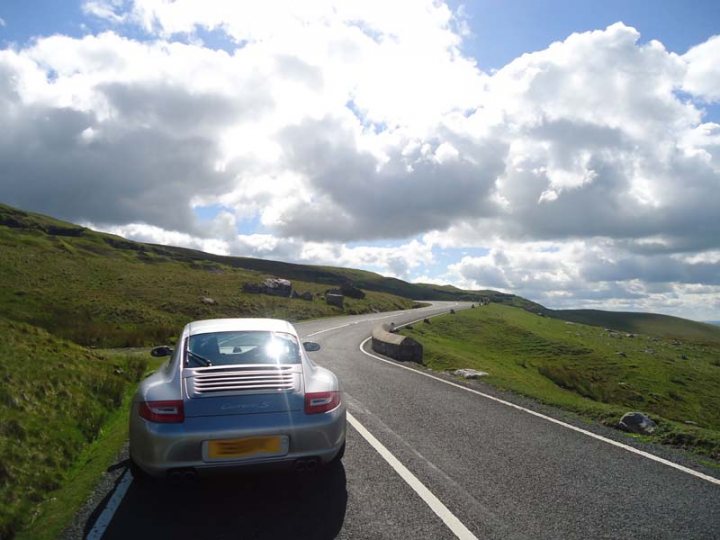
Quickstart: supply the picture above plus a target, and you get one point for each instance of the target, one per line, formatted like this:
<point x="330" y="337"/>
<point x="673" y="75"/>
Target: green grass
<point x="42" y="232"/>
<point x="54" y="398"/>
<point x="56" y="512"/>
<point x="585" y="369"/>
<point x="103" y="291"/>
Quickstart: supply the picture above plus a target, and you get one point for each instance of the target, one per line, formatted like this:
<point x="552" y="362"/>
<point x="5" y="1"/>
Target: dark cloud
<point x="360" y="199"/>
<point x="65" y="163"/>
<point x="651" y="269"/>
<point x="684" y="212"/>
<point x="156" y="150"/>
<point x="177" y="109"/>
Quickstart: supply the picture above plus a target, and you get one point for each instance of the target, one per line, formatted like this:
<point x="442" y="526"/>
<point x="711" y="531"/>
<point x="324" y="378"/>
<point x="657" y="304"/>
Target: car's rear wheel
<point x="138" y="474"/>
<point x="339" y="455"/>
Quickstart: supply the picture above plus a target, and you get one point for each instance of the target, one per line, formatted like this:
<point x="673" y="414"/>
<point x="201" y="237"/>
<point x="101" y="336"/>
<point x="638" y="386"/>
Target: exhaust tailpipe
<point x="175" y="477"/>
<point x="182" y="476"/>
<point x="307" y="465"/>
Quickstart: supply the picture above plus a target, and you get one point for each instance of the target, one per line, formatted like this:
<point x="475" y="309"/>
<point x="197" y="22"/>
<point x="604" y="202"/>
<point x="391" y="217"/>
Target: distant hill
<point x="328" y="275"/>
<point x="26" y="222"/>
<point x="103" y="290"/>
<point x="100" y="289"/>
<point x="642" y="323"/>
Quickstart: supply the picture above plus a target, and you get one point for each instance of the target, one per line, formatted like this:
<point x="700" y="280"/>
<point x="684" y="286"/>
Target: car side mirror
<point x="159" y="352"/>
<point x="311" y="346"/>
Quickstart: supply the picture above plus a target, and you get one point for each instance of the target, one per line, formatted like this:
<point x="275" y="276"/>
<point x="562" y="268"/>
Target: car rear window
<point x="231" y="348"/>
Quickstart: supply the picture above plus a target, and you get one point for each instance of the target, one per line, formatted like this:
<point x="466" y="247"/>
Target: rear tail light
<point x="320" y="402"/>
<point x="163" y="412"/>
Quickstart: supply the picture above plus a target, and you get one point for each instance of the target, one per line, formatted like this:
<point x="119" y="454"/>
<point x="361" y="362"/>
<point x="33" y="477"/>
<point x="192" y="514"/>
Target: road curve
<point x="499" y="471"/>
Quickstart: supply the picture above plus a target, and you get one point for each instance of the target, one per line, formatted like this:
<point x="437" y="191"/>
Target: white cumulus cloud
<point x="358" y="133"/>
<point x="703" y="70"/>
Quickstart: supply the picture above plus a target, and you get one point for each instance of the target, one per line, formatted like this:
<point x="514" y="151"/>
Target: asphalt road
<point x="502" y="472"/>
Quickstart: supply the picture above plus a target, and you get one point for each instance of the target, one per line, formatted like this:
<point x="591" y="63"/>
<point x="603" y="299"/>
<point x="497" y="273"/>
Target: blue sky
<point x="438" y="142"/>
<point x="504" y="29"/>
<point x="501" y="29"/>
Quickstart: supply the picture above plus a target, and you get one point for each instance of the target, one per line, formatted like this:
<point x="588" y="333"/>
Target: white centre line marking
<point x="647" y="455"/>
<point x="104" y="519"/>
<point x="452" y="522"/>
<point x="364" y="320"/>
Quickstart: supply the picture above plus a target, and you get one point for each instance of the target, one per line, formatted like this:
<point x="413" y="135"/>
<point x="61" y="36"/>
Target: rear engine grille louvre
<point x="238" y="379"/>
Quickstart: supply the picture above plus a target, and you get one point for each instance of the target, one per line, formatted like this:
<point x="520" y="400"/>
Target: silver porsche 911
<point x="236" y="393"/>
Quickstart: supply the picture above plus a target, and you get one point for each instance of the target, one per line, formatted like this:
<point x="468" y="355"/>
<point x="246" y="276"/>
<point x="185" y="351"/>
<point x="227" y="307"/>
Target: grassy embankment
<point x="100" y="290"/>
<point x="589" y="370"/>
<point x="54" y="399"/>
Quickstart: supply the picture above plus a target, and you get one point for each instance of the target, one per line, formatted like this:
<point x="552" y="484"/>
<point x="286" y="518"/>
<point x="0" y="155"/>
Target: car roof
<point x="239" y="325"/>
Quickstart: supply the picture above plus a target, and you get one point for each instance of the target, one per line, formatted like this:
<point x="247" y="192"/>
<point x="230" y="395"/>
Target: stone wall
<point x="396" y="346"/>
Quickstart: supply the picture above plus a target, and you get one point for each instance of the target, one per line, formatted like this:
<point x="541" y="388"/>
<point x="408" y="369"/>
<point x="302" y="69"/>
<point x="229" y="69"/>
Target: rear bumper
<point x="159" y="448"/>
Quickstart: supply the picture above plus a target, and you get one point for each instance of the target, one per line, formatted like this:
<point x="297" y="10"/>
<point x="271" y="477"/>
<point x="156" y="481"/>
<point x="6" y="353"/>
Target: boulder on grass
<point x="253" y="288"/>
<point x="334" y="300"/>
<point x="467" y="373"/>
<point x="637" y="422"/>
<point x="351" y="291"/>
<point x="278" y="287"/>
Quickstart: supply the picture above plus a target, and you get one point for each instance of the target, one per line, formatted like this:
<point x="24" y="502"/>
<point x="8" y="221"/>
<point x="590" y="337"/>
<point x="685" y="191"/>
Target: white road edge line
<point x="452" y="522"/>
<point x="349" y="324"/>
<point x="647" y="455"/>
<point x="107" y="514"/>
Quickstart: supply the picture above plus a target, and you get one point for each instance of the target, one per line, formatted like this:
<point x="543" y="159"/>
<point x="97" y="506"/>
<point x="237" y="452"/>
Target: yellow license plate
<point x="236" y="448"/>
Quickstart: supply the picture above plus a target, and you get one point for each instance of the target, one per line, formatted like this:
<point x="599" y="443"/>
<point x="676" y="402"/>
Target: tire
<point x="338" y="457"/>
<point x="139" y="476"/>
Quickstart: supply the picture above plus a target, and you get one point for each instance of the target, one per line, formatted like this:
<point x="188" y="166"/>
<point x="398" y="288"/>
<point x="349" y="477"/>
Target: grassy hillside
<point x="102" y="290"/>
<point x="117" y="292"/>
<point x="598" y="373"/>
<point x="642" y="323"/>
<point x="327" y="275"/>
<point x="54" y="398"/>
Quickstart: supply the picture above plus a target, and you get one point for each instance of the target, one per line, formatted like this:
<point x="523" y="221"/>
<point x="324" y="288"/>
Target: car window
<point x="232" y="348"/>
